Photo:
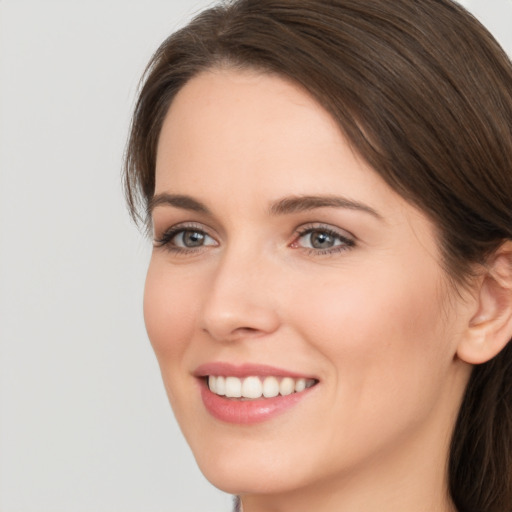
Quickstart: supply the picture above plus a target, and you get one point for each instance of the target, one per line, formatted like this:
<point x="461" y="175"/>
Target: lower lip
<point x="246" y="412"/>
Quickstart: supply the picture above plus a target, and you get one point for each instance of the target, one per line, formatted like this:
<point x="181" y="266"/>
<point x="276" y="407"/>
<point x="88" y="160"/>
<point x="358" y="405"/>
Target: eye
<point x="322" y="240"/>
<point x="180" y="239"/>
<point x="319" y="240"/>
<point x="191" y="238"/>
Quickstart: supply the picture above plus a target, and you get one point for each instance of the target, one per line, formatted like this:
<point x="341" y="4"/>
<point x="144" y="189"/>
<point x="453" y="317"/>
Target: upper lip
<point x="246" y="370"/>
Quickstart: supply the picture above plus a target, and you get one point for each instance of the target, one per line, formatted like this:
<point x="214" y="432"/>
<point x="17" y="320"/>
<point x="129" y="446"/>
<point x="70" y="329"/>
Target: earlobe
<point x="490" y="328"/>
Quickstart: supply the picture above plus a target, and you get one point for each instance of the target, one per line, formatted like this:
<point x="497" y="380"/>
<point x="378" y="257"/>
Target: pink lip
<point x="245" y="370"/>
<point x="246" y="412"/>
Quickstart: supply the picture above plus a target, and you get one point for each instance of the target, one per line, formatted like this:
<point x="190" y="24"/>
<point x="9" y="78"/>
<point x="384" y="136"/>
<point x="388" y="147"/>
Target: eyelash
<point x="165" y="241"/>
<point x="346" y="242"/>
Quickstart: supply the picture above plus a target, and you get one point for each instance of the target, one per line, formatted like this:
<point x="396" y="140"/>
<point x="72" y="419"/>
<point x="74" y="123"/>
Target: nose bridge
<point x="239" y="300"/>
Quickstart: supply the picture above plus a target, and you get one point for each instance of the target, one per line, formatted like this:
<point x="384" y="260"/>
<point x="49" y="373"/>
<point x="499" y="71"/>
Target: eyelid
<point x="164" y="240"/>
<point x="348" y="239"/>
<point x="319" y="226"/>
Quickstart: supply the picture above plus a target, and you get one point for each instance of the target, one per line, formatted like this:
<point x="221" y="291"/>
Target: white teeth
<point x="255" y="387"/>
<point x="270" y="387"/>
<point x="287" y="386"/>
<point x="233" y="387"/>
<point x="211" y="383"/>
<point x="252" y="387"/>
<point x="220" y="386"/>
<point x="300" y="385"/>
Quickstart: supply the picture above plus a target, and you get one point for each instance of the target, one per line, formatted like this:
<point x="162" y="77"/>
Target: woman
<point x="329" y="297"/>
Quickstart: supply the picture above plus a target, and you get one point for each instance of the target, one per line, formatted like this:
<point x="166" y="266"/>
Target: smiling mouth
<point x="253" y="387"/>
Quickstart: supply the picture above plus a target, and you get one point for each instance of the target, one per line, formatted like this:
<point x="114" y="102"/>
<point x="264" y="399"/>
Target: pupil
<point x="321" y="240"/>
<point x="193" y="239"/>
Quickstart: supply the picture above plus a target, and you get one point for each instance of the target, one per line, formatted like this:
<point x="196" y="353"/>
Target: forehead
<point x="260" y="137"/>
<point x="248" y="125"/>
<point x="245" y="110"/>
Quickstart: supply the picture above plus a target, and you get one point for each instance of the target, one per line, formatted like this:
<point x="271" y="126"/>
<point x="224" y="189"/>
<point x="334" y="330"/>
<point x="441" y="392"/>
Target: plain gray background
<point x="84" y="421"/>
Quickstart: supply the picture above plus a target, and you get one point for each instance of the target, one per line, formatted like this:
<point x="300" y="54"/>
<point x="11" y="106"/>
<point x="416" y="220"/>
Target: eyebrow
<point x="285" y="206"/>
<point x="298" y="204"/>
<point x="178" y="201"/>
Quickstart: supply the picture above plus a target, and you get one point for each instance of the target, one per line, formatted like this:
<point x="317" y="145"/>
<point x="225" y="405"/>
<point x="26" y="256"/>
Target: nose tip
<point x="238" y="305"/>
<point x="233" y="323"/>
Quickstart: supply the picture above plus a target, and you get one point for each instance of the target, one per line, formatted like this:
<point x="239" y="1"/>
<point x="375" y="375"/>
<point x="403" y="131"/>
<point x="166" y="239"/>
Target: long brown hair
<point x="424" y="93"/>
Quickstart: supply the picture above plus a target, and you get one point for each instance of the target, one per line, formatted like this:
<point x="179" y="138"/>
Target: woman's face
<point x="282" y="261"/>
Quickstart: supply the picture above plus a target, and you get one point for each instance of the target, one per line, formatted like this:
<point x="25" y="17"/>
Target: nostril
<point x="247" y="330"/>
<point x="238" y="333"/>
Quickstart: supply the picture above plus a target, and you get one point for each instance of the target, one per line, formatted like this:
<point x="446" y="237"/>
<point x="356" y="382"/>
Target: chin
<point x="240" y="481"/>
<point x="246" y="473"/>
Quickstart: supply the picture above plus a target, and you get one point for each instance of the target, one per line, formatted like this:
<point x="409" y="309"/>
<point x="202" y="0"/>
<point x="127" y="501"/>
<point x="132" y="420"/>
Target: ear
<point x="490" y="328"/>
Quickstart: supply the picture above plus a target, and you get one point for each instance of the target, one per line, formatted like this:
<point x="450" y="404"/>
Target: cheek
<point x="170" y="318"/>
<point x="371" y="314"/>
<point x="168" y="312"/>
<point x="384" y="337"/>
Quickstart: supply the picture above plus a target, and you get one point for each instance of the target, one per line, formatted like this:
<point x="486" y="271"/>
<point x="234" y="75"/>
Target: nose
<point x="240" y="300"/>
